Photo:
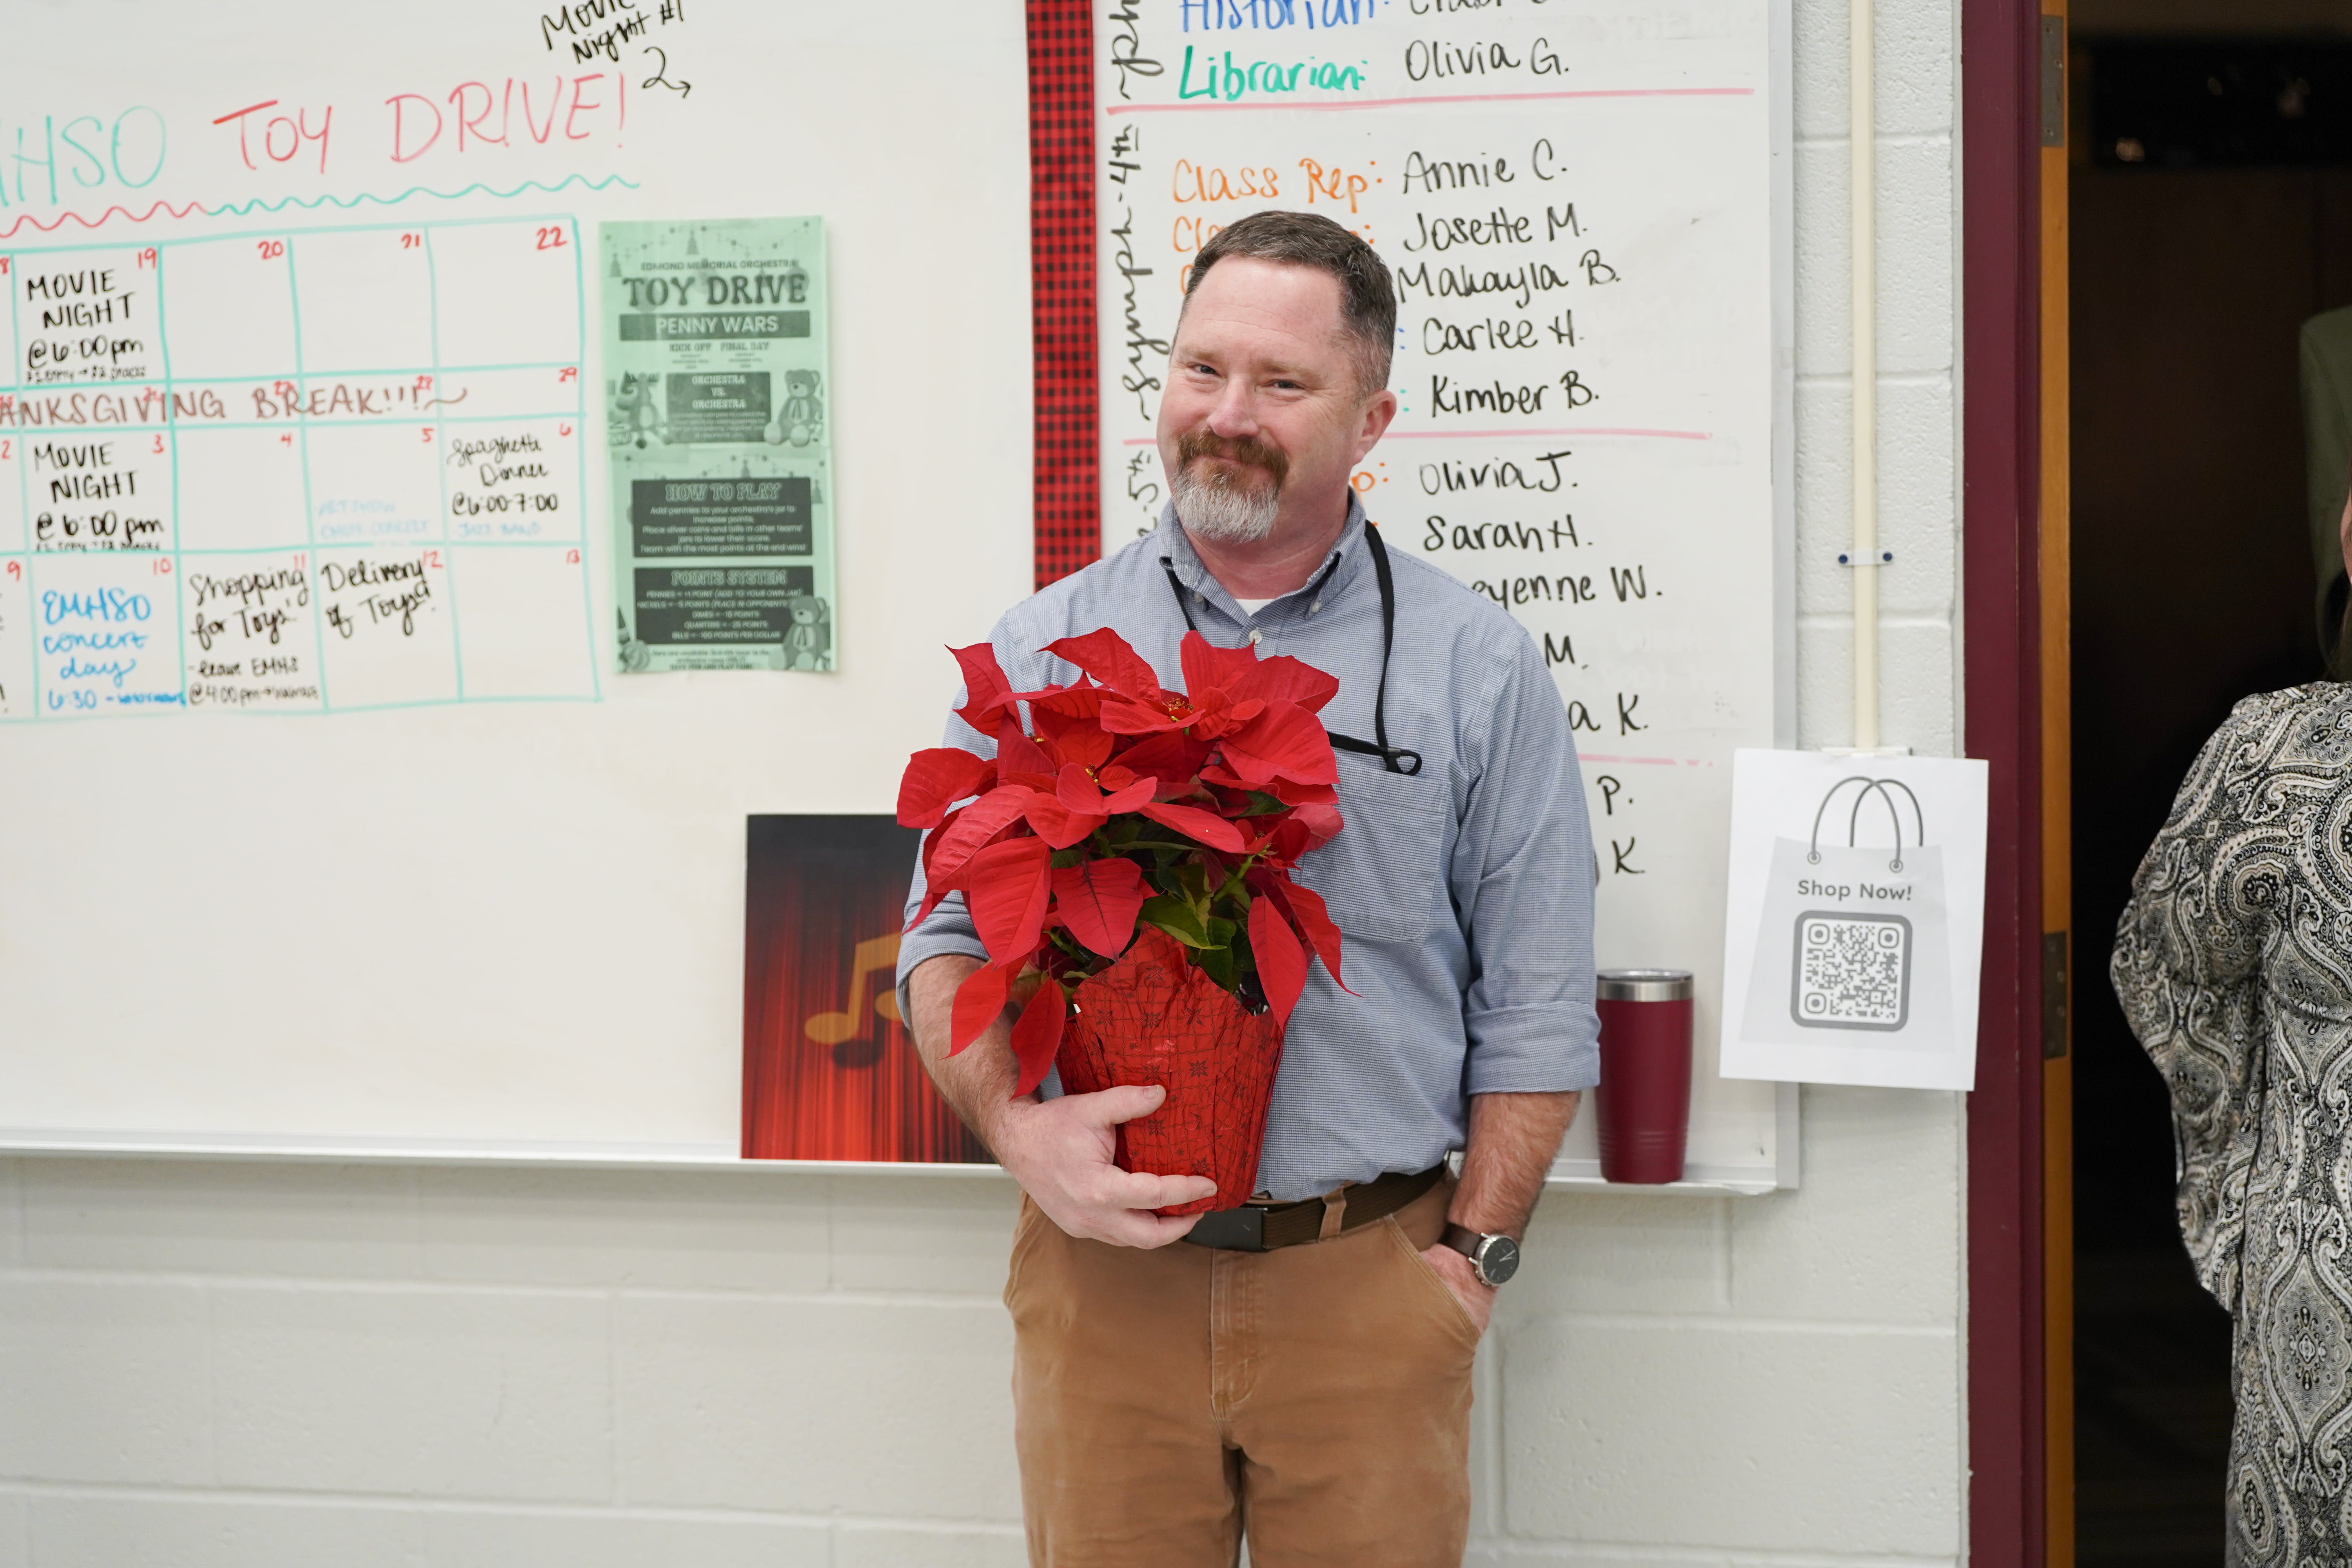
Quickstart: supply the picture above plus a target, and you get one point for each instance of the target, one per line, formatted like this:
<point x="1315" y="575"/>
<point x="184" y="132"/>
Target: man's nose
<point x="1234" y="418"/>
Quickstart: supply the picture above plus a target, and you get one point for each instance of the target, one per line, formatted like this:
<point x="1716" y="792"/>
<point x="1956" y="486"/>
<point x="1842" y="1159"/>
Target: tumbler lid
<point x="1644" y="985"/>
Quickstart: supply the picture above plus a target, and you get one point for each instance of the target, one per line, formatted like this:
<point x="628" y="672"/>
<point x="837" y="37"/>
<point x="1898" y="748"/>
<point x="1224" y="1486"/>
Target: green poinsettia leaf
<point x="1177" y="918"/>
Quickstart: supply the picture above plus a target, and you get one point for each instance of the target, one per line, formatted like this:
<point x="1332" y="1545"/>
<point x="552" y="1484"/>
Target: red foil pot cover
<point x="1153" y="1019"/>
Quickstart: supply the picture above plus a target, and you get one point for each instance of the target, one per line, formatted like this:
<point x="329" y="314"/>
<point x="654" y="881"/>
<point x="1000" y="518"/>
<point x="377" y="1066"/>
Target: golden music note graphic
<point x="875" y="954"/>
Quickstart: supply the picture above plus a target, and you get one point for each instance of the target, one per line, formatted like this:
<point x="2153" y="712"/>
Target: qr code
<point x="1852" y="972"/>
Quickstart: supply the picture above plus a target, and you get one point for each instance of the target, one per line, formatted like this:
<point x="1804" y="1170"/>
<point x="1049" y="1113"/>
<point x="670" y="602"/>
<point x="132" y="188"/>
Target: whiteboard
<point x="512" y="924"/>
<point x="1586" y="211"/>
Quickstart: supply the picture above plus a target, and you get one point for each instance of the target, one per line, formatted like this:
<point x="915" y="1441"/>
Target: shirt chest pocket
<point x="1384" y="876"/>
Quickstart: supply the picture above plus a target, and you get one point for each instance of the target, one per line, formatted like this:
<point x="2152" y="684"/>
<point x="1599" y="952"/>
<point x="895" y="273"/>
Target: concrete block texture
<point x="1917" y="674"/>
<point x="868" y="1406"/>
<point x="945" y="1233"/>
<point x="1918" y="502"/>
<point x="460" y="1394"/>
<point x="97" y="1530"/>
<point x="1824" y="263"/>
<point x="718" y="1230"/>
<point x="1918" y="497"/>
<point x="221" y="1216"/>
<point x="1918" y="269"/>
<point x="104" y="1381"/>
<point x="1869" y="1238"/>
<point x="1486" y="1440"/>
<point x="1919" y="679"/>
<point x="1917" y="505"/>
<point x="1688" y="1434"/>
<point x="487" y="1538"/>
<point x="1916" y="85"/>
<point x="1621" y="1252"/>
<point x="12" y="1225"/>
<point x="900" y="1546"/>
<point x="1483" y="1553"/>
<point x="103" y="1532"/>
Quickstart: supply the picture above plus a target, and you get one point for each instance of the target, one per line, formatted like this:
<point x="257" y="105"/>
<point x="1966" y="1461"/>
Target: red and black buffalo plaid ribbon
<point x="1062" y="271"/>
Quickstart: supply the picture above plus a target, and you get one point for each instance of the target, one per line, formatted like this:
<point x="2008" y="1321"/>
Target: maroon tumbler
<point x="1645" y="1073"/>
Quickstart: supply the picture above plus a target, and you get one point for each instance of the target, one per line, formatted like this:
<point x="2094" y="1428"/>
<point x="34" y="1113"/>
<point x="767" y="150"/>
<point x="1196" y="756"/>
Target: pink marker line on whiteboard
<point x="1505" y="435"/>
<point x="1569" y="430"/>
<point x="1639" y="762"/>
<point x="1119" y="108"/>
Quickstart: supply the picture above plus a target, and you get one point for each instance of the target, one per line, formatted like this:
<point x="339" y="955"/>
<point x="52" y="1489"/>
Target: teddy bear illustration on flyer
<point x="808" y="644"/>
<point x="799" y="417"/>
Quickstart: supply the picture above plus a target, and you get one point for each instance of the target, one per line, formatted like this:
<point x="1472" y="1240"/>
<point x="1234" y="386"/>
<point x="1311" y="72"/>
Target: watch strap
<point x="1476" y="1245"/>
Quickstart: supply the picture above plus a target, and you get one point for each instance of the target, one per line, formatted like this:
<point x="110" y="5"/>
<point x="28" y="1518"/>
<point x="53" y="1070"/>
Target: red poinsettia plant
<point x="1129" y="808"/>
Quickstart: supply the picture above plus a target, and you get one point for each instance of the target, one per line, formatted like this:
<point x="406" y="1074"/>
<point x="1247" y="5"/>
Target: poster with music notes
<point x="829" y="1069"/>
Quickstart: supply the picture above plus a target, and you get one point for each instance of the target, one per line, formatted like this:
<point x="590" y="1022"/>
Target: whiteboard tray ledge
<point x="1713" y="1181"/>
<point x="328" y="1150"/>
<point x="1573" y="1174"/>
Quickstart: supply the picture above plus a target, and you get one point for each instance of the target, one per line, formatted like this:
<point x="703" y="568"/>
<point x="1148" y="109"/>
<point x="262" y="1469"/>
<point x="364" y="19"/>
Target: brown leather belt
<point x="1262" y="1226"/>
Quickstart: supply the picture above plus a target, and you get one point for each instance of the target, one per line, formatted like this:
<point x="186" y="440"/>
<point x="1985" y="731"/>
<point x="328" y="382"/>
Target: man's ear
<point x="1380" y="411"/>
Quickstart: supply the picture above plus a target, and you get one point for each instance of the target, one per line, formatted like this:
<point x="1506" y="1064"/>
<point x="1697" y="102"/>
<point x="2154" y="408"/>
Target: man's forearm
<point x="977" y="1083"/>
<point x="1513" y="1141"/>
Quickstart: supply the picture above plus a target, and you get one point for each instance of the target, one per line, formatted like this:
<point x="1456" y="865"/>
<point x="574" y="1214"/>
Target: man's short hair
<point x="1366" y="299"/>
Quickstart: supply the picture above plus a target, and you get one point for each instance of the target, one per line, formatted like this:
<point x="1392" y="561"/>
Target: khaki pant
<point x="1317" y="1396"/>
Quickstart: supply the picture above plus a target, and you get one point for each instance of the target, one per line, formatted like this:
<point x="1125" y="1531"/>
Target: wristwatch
<point x="1493" y="1258"/>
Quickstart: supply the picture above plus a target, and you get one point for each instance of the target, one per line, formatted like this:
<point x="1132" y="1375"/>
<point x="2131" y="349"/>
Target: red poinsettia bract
<point x="1129" y="805"/>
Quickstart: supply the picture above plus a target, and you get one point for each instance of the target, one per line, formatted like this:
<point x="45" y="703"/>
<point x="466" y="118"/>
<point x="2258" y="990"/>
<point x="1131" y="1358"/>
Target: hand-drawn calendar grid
<point x="294" y="471"/>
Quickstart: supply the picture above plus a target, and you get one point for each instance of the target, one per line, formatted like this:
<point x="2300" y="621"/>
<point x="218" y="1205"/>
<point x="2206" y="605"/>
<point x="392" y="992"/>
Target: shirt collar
<point x="1338" y="569"/>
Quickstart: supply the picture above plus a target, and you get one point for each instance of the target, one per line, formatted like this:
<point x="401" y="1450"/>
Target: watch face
<point x="1499" y="1259"/>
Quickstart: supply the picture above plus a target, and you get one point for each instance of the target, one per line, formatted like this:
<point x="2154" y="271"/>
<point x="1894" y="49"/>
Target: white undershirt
<point x="1252" y="607"/>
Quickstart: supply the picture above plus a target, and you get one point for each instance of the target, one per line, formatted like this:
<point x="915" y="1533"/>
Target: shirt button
<point x="1254" y="635"/>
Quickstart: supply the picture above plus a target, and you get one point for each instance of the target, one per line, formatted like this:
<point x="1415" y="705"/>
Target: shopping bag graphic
<point x="1851" y="948"/>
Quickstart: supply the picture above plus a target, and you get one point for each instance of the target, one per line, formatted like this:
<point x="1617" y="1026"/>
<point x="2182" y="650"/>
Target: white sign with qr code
<point x="1855" y="920"/>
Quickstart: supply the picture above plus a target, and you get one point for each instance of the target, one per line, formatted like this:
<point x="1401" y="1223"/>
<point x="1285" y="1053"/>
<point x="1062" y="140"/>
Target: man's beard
<point x="1216" y="502"/>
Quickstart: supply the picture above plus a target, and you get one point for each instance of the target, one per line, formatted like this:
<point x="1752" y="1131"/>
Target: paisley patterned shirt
<point x="2233" y="961"/>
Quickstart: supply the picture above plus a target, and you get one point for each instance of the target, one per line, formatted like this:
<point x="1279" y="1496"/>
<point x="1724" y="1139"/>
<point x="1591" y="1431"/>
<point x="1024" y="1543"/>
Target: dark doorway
<point x="2209" y="220"/>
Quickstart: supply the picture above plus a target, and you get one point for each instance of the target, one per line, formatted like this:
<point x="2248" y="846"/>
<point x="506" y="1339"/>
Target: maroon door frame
<point x="2000" y="224"/>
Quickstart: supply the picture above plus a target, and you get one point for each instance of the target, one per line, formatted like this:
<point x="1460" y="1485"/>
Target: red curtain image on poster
<point x="829" y="1069"/>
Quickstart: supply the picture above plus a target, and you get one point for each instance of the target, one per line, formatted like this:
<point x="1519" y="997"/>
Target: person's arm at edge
<point x="1061" y="1151"/>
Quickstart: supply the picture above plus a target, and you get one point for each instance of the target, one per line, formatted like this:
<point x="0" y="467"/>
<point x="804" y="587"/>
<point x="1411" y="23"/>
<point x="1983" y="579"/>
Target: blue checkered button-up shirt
<point x="1464" y="894"/>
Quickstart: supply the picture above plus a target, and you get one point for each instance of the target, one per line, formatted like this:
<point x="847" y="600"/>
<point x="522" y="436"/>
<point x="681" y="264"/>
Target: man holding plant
<point x="1300" y="1370"/>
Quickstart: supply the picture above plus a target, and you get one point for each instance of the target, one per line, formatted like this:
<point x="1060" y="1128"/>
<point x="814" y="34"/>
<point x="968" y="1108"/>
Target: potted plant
<point x="1129" y="856"/>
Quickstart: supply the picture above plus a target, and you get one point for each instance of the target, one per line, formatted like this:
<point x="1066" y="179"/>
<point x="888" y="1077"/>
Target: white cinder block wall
<point x="273" y="1365"/>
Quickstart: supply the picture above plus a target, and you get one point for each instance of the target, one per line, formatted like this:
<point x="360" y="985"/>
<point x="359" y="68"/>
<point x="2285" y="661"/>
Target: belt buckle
<point x="1239" y="1230"/>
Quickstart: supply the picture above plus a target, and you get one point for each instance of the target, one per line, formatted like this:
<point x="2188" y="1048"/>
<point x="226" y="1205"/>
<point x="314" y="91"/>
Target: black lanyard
<point x="1396" y="759"/>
